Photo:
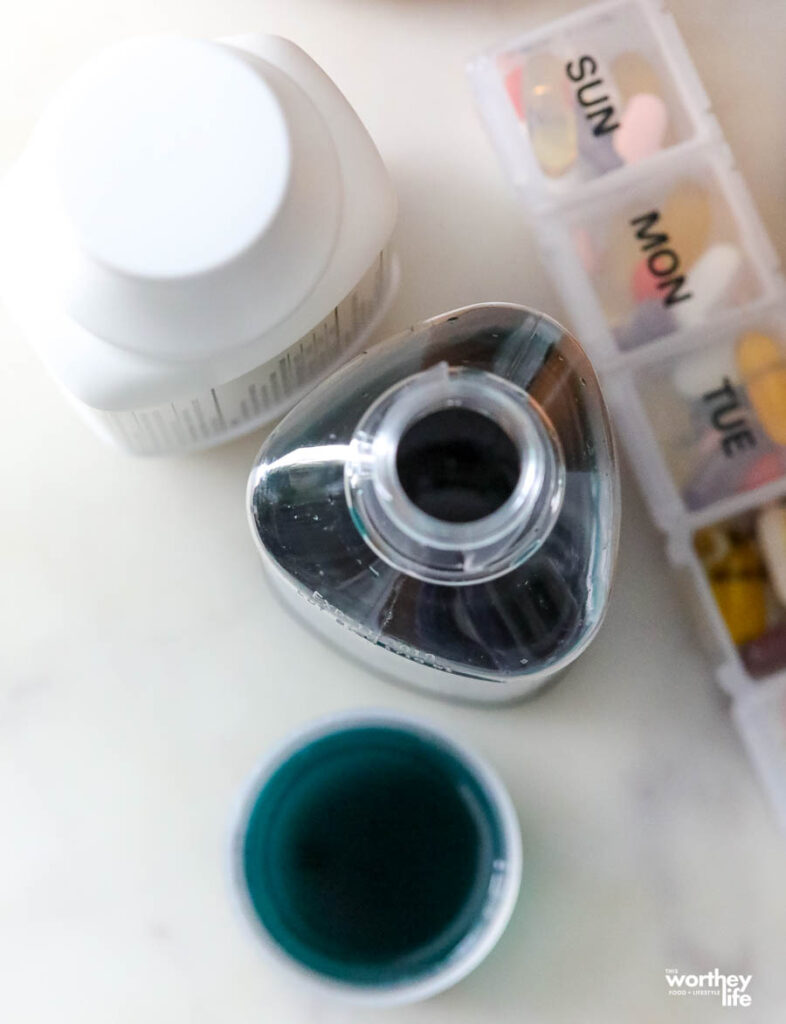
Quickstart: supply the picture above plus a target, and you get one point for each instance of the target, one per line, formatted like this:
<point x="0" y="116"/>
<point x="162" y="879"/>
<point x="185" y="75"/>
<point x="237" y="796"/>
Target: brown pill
<point x="738" y="584"/>
<point x="766" y="654"/>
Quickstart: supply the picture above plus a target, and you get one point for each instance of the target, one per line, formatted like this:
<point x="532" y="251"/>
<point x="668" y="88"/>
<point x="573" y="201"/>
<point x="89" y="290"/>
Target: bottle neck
<point x="454" y="476"/>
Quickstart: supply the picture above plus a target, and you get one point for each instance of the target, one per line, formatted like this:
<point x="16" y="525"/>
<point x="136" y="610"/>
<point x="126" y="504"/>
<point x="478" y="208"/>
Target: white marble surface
<point x="145" y="666"/>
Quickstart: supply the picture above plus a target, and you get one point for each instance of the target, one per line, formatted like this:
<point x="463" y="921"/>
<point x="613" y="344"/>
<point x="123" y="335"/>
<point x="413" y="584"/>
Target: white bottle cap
<point x="189" y="196"/>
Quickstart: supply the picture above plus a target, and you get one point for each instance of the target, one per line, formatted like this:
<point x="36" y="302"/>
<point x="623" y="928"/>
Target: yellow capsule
<point x="551" y="121"/>
<point x="762" y="366"/>
<point x="738" y="586"/>
<point x="712" y="546"/>
<point x="687" y="218"/>
<point x="634" y="74"/>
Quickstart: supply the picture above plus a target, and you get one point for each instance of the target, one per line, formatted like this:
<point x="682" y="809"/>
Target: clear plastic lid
<point x="452" y="496"/>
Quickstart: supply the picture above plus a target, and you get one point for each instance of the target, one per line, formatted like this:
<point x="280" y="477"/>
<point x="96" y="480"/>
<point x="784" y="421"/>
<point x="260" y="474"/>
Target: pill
<point x="709" y="283"/>
<point x="633" y="73"/>
<point x="712" y="545"/>
<point x="767" y="467"/>
<point x="551" y="121"/>
<point x="513" y="80"/>
<point x="620" y="257"/>
<point x="712" y="481"/>
<point x="651" y="320"/>
<point x="704" y="371"/>
<point x="718" y="475"/>
<point x="765" y="654"/>
<point x="771" y="535"/>
<point x="738" y="586"/>
<point x="762" y="367"/>
<point x="642" y="128"/>
<point x="687" y="218"/>
<point x="644" y="283"/>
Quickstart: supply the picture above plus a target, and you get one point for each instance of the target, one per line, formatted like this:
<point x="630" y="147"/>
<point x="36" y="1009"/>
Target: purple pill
<point x="721" y="475"/>
<point x="767" y="653"/>
<point x="650" y="321"/>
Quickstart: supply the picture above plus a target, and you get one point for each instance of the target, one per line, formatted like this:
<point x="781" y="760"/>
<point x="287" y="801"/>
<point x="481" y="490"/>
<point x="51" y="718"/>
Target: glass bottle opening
<point x="454" y="475"/>
<point x="457" y="465"/>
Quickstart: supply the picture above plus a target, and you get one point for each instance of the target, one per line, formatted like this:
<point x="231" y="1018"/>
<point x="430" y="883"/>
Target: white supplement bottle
<point x="195" y="235"/>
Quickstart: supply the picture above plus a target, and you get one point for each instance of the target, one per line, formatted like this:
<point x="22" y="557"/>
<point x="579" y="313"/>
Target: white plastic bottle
<point x="196" y="234"/>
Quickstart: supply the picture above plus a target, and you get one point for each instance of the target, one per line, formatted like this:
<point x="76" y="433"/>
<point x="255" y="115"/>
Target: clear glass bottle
<point x="447" y="505"/>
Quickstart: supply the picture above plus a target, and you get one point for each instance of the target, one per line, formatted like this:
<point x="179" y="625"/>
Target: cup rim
<point x="396" y="993"/>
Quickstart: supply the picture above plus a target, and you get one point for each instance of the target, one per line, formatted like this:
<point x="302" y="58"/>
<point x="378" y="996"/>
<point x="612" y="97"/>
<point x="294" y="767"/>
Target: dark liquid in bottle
<point x="457" y="465"/>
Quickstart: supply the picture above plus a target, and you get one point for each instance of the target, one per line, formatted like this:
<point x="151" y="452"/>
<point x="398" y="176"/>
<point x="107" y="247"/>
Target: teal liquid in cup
<point x="373" y="855"/>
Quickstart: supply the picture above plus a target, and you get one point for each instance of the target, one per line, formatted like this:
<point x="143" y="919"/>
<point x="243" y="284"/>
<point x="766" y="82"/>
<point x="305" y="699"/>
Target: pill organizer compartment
<point x="743" y="563"/>
<point x="708" y="420"/>
<point x="663" y="254"/>
<point x="596" y="92"/>
<point x="733" y="591"/>
<point x="738" y="565"/>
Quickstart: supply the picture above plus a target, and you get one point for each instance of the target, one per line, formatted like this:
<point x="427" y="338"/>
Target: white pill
<point x="771" y="534"/>
<point x="642" y="127"/>
<point x="708" y="282"/>
<point x="706" y="370"/>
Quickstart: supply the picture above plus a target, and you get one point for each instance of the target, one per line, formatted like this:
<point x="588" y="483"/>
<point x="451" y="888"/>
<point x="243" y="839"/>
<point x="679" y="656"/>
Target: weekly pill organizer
<point x="674" y="288"/>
